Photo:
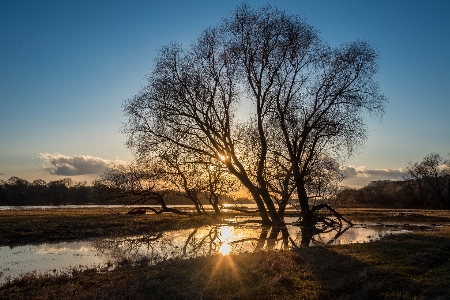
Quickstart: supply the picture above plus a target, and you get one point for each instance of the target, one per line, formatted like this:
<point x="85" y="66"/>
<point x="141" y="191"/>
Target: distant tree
<point x="38" y="191"/>
<point x="3" y="193"/>
<point x="172" y="172"/>
<point x="350" y="197"/>
<point x="430" y="177"/>
<point x="183" y="174"/>
<point x="305" y="99"/>
<point x="17" y="191"/>
<point x="426" y="184"/>
<point x="446" y="174"/>
<point x="133" y="184"/>
<point x="197" y="177"/>
<point x="80" y="193"/>
<point x="57" y="191"/>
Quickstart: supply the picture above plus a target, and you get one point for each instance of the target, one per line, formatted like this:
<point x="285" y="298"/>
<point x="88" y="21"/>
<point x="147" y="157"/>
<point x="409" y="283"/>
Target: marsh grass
<point x="35" y="226"/>
<point x="406" y="266"/>
<point x="409" y="266"/>
<point x="22" y="227"/>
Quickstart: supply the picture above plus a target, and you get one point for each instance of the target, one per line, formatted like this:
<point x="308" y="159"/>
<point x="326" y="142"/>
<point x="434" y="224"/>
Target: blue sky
<point x="67" y="66"/>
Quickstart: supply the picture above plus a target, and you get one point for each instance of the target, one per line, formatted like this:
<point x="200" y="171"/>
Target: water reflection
<point x="225" y="249"/>
<point x="54" y="258"/>
<point x="233" y="238"/>
<point x="226" y="239"/>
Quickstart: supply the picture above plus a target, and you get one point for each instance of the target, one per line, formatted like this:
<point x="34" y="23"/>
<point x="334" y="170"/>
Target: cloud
<point x="76" y="165"/>
<point x="361" y="171"/>
<point x="359" y="176"/>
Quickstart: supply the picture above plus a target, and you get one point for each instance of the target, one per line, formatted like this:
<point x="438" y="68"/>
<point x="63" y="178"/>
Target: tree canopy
<point x="265" y="97"/>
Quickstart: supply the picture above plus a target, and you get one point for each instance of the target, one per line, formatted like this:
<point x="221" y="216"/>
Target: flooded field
<point x="233" y="237"/>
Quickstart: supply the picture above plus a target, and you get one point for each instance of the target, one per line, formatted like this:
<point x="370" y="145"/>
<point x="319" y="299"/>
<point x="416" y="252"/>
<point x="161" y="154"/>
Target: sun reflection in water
<point x="225" y="249"/>
<point x="226" y="232"/>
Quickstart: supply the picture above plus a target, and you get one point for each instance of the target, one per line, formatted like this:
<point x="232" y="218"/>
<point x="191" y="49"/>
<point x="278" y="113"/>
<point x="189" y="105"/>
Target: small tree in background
<point x="134" y="184"/>
<point x="430" y="180"/>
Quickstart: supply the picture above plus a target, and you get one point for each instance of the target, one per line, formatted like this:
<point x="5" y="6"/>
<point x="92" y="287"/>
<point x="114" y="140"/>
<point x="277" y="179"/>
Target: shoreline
<point x="70" y="224"/>
<point x="402" y="266"/>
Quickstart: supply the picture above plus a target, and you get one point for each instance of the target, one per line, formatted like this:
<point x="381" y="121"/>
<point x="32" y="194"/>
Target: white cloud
<point x="362" y="172"/>
<point x="76" y="165"/>
<point x="359" y="176"/>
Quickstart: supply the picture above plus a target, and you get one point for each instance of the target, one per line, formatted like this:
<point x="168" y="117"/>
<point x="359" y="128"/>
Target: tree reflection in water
<point x="221" y="239"/>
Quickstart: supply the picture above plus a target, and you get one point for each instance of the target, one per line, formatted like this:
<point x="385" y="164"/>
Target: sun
<point x="223" y="158"/>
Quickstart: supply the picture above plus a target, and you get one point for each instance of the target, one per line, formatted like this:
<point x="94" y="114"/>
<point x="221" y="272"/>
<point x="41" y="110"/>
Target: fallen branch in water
<point x="338" y="215"/>
<point x="244" y="210"/>
<point x="143" y="211"/>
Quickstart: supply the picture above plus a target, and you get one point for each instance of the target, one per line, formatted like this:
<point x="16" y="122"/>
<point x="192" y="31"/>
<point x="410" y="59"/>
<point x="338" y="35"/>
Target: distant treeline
<point x="426" y="184"/>
<point x="19" y="192"/>
<point x="399" y="194"/>
<point x="432" y="192"/>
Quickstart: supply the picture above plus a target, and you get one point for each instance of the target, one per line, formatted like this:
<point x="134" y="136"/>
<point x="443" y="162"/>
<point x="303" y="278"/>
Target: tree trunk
<point x="282" y="209"/>
<point x="262" y="238"/>
<point x="335" y="213"/>
<point x="276" y="220"/>
<point x="308" y="219"/>
<point x="284" y="202"/>
<point x="307" y="234"/>
<point x="215" y="203"/>
<point x="262" y="209"/>
<point x="254" y="191"/>
<point x="167" y="209"/>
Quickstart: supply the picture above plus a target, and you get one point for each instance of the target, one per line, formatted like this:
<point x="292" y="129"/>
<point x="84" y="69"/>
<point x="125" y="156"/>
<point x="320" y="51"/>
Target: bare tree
<point x="430" y="176"/>
<point x="308" y="101"/>
<point x="184" y="176"/>
<point x="172" y="172"/>
<point x="134" y="184"/>
<point x="197" y="177"/>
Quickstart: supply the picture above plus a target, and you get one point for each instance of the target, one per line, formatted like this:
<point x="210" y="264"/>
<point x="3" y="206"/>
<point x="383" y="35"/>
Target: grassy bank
<point x="21" y="227"/>
<point x="410" y="266"/>
<point x="35" y="226"/>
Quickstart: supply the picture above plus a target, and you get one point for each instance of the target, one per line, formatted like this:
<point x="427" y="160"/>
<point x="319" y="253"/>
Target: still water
<point x="234" y="237"/>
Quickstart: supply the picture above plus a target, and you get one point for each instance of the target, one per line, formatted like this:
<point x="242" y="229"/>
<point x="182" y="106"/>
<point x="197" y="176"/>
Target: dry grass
<point x="384" y="211"/>
<point x="35" y="226"/>
<point x="21" y="227"/>
<point x="411" y="266"/>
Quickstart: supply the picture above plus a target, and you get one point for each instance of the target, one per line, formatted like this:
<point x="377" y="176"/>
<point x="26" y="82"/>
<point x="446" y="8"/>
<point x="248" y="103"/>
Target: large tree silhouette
<point x="260" y="93"/>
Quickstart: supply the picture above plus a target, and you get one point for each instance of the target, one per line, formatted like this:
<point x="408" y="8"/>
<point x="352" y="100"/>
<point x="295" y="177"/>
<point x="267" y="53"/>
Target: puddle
<point x="232" y="238"/>
<point x="53" y="258"/>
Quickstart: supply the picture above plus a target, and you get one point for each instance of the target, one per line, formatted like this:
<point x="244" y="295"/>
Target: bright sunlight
<point x="225" y="249"/>
<point x="226" y="232"/>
